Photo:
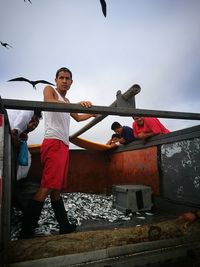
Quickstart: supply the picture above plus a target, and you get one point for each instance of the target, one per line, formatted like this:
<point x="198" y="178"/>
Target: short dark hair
<point x="63" y="69"/>
<point x="115" y="136"/>
<point x="115" y="125"/>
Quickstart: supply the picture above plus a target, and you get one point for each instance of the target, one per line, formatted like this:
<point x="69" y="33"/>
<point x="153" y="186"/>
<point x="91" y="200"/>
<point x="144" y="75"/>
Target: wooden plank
<point x="84" y="143"/>
<point x="89" y="144"/>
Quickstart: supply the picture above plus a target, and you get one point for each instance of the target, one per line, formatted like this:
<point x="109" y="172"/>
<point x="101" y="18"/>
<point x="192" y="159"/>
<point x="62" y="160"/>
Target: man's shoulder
<point x="49" y="91"/>
<point x="49" y="88"/>
<point x="151" y="119"/>
<point x="127" y="128"/>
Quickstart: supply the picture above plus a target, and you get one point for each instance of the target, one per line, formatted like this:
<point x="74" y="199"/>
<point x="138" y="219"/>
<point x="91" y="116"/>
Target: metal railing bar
<point x="120" y="111"/>
<point x="102" y="111"/>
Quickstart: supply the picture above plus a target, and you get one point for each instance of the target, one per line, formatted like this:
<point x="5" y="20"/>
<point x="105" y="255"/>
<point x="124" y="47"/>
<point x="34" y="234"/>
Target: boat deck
<point x="90" y="212"/>
<point x="169" y="236"/>
<point x="100" y="228"/>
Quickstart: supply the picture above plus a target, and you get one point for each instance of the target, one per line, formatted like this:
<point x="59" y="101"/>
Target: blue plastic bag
<point x="23" y="154"/>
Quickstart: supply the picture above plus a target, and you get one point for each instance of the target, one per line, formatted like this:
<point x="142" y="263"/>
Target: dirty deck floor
<point x="97" y="231"/>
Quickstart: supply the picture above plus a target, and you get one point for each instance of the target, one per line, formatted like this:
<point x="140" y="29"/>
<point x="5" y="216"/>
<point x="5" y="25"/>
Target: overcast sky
<point x="154" y="43"/>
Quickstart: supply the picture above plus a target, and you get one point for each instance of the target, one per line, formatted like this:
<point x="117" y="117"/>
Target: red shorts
<point x="55" y="162"/>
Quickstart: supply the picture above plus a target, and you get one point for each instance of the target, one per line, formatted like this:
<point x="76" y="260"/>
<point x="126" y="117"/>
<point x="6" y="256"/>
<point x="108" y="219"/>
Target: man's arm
<point x="146" y="135"/>
<point x="20" y="123"/>
<point x="82" y="117"/>
<point x="50" y="95"/>
<point x="122" y="140"/>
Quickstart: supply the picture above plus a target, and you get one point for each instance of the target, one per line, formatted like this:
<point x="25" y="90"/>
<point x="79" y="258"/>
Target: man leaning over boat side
<point x="146" y="127"/>
<point x="124" y="134"/>
<point x="54" y="157"/>
<point x="114" y="141"/>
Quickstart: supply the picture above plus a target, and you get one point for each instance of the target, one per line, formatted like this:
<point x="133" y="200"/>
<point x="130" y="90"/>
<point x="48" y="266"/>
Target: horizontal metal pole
<point x="132" y="91"/>
<point x="141" y="112"/>
<point x="76" y="108"/>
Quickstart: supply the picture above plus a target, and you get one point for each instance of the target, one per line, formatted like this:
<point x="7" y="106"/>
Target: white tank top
<point x="56" y="124"/>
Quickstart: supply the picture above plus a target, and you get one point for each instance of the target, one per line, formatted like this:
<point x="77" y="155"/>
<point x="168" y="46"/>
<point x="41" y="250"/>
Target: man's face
<point x="118" y="130"/>
<point x="138" y="120"/>
<point x="63" y="81"/>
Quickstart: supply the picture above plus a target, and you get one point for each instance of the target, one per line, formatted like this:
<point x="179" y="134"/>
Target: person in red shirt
<point x="145" y="127"/>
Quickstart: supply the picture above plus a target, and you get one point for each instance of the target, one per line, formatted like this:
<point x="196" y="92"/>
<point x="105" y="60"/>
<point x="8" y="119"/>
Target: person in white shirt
<point x="54" y="157"/>
<point x="21" y="123"/>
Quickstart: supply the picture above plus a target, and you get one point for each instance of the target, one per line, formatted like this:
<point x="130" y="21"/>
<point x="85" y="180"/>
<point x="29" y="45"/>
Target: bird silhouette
<point x="103" y="6"/>
<point x="28" y="1"/>
<point x="33" y="83"/>
<point x="6" y="45"/>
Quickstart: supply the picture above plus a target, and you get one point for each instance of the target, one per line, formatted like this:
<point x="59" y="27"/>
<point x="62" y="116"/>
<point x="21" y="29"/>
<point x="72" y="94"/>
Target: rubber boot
<point x="30" y="218"/>
<point x="61" y="217"/>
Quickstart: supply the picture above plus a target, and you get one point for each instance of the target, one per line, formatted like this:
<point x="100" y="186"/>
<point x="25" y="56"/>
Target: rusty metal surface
<point x="180" y="164"/>
<point x="135" y="167"/>
<point x="96" y="172"/>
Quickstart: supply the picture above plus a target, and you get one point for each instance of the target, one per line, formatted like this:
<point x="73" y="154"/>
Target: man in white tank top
<point x="54" y="157"/>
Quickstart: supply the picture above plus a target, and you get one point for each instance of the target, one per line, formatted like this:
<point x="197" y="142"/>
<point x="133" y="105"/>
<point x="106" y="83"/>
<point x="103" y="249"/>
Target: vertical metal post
<point x="5" y="212"/>
<point x="1" y="173"/>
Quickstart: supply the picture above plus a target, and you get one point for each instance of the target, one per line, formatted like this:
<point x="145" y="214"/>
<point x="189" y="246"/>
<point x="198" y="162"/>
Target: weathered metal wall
<point x="175" y="176"/>
<point x="87" y="172"/>
<point x="180" y="166"/>
<point x="35" y="171"/>
<point x="135" y="167"/>
<point x="96" y="172"/>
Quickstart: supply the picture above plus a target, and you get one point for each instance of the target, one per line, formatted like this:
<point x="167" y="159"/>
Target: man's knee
<point x="42" y="194"/>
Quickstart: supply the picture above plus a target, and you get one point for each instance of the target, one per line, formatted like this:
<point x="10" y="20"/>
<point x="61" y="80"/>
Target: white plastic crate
<point x="132" y="197"/>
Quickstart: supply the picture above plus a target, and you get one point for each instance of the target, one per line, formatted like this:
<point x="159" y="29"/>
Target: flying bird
<point x="28" y="1"/>
<point x="6" y="45"/>
<point x="103" y="6"/>
<point x="33" y="83"/>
